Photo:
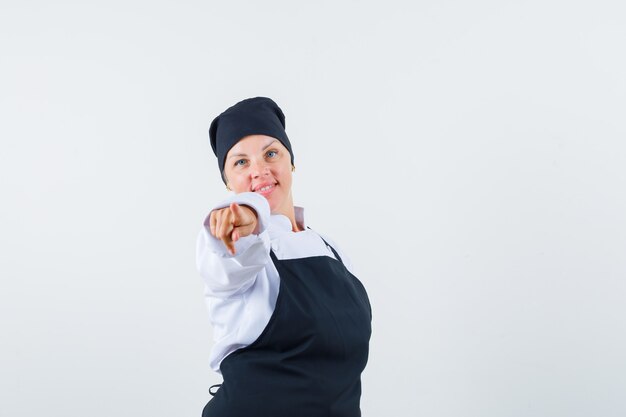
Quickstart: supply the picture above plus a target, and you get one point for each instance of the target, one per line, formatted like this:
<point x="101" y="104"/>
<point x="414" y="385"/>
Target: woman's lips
<point x="266" y="190"/>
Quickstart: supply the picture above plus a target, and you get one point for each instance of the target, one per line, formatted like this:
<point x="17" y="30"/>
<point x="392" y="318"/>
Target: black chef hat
<point x="252" y="116"/>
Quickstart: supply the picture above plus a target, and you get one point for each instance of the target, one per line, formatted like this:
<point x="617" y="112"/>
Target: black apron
<point x="308" y="360"/>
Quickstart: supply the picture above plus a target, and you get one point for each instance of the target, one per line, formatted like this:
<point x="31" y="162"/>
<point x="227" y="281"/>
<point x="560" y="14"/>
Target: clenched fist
<point x="231" y="223"/>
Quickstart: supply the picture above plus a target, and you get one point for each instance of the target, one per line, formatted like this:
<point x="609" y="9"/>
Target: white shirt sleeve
<point x="225" y="274"/>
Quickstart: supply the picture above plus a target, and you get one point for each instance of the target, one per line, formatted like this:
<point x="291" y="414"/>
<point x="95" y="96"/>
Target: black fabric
<point x="308" y="360"/>
<point x="252" y="116"/>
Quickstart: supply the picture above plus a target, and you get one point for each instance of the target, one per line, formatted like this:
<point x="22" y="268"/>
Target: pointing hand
<point x="231" y="223"/>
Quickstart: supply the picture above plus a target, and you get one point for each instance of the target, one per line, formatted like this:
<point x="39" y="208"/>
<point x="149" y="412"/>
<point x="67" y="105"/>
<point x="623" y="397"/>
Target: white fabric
<point x="241" y="289"/>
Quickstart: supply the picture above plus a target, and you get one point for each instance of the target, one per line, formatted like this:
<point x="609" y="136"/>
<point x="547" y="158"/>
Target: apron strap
<point x="330" y="247"/>
<point x="213" y="386"/>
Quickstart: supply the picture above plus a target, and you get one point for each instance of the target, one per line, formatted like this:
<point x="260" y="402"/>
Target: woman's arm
<point x="224" y="273"/>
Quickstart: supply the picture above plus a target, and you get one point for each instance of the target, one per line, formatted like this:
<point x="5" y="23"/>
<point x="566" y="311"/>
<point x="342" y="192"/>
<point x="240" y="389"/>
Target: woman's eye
<point x="240" y="162"/>
<point x="271" y="154"/>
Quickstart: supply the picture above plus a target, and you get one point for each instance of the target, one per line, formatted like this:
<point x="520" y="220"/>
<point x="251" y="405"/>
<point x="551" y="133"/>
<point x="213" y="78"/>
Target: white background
<point x="468" y="156"/>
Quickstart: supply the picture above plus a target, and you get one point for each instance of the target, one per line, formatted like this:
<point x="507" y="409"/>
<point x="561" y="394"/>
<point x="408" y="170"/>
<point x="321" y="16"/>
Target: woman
<point x="291" y="322"/>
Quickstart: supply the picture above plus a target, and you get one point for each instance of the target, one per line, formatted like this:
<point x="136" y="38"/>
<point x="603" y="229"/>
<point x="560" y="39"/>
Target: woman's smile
<point x="265" y="189"/>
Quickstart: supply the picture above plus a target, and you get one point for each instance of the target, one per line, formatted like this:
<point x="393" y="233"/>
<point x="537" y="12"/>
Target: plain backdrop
<point x="470" y="157"/>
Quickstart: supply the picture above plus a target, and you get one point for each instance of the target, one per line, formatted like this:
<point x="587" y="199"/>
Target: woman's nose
<point x="259" y="169"/>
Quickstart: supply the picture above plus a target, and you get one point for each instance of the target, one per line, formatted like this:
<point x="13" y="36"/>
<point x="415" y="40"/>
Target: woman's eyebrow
<point x="243" y="154"/>
<point x="270" y="144"/>
<point x="237" y="155"/>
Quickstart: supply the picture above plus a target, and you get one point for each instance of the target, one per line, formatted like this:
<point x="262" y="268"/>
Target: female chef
<point x="291" y="322"/>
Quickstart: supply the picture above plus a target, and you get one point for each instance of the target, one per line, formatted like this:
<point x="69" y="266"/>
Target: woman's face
<point x="261" y="164"/>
